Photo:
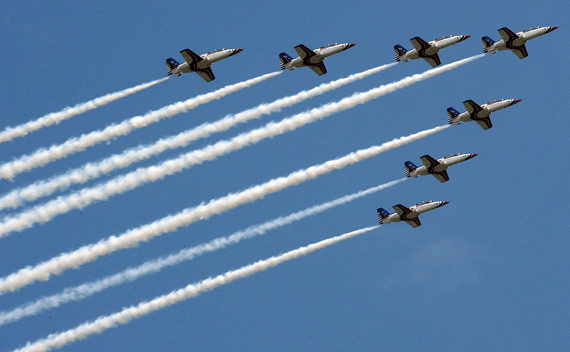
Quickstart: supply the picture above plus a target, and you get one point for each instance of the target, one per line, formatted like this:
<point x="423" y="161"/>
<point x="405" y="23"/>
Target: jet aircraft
<point x="478" y="113"/>
<point x="514" y="41"/>
<point x="409" y="215"/>
<point x="425" y="50"/>
<point x="312" y="58"/>
<point x="435" y="167"/>
<point x="199" y="63"/>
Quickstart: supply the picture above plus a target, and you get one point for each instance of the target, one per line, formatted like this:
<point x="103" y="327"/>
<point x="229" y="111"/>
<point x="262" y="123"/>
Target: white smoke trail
<point x="92" y="170"/>
<point x="85" y="290"/>
<point x="56" y="117"/>
<point x="171" y="223"/>
<point x="126" y="315"/>
<point x="44" y="156"/>
<point x="45" y="212"/>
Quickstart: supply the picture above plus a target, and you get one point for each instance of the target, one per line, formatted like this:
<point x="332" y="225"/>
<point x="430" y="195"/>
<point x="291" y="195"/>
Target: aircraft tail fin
<point x="170" y="64"/>
<point x="487" y="42"/>
<point x="382" y="214"/>
<point x="399" y="51"/>
<point x="451" y="114"/>
<point x="284" y="59"/>
<point x="409" y="167"/>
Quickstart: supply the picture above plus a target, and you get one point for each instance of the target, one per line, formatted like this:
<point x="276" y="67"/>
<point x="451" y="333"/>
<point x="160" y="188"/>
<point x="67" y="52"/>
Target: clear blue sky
<point x="487" y="272"/>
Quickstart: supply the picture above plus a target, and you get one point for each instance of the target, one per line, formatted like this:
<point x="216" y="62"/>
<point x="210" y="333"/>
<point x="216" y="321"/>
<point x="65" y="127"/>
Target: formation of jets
<point x="422" y="50"/>
<point x="314" y="58"/>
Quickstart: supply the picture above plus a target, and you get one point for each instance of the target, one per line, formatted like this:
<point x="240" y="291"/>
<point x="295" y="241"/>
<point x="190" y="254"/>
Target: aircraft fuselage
<point x="320" y="54"/>
<point x="207" y="60"/>
<point x="444" y="163"/>
<point x="487" y="109"/>
<point x="523" y="37"/>
<point x="435" y="47"/>
<point x="416" y="210"/>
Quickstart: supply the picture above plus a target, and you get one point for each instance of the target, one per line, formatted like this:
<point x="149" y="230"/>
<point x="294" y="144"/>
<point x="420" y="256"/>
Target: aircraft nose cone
<point x="239" y="50"/>
<point x="466" y="36"/>
<point x="444" y="203"/>
<point x="517" y="101"/>
<point x="472" y="156"/>
<point x="553" y="28"/>
<point x="350" y="45"/>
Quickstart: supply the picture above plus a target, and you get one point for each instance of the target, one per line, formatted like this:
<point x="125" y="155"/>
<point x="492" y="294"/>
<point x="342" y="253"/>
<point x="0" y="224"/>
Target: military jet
<point x="435" y="167"/>
<point x="514" y="41"/>
<point x="425" y="50"/>
<point x="199" y="63"/>
<point x="312" y="58"/>
<point x="409" y="215"/>
<point x="479" y="113"/>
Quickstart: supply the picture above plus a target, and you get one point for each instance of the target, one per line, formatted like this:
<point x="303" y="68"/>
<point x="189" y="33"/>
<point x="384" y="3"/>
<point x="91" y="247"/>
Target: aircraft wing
<point x="191" y="58"/>
<point x="319" y="68"/>
<point x="420" y="44"/>
<point x="206" y="74"/>
<point x="401" y="210"/>
<point x="485" y="122"/>
<point x="304" y="52"/>
<point x="429" y="162"/>
<point x="433" y="60"/>
<point x="472" y="107"/>
<point x="507" y="35"/>
<point x="441" y="176"/>
<point x="415" y="222"/>
<point x="520" y="51"/>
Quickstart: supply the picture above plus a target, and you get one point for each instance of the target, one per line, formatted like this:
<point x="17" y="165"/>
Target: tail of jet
<point x="284" y="59"/>
<point x="451" y="114"/>
<point x="409" y="167"/>
<point x="399" y="51"/>
<point x="487" y="42"/>
<point x="170" y="64"/>
<point x="382" y="214"/>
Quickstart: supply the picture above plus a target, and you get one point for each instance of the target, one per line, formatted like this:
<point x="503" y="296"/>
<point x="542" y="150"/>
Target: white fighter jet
<point x="409" y="215"/>
<point x="312" y="58"/>
<point x="514" y="41"/>
<point x="199" y="63"/>
<point x="425" y="50"/>
<point x="479" y="113"/>
<point x="435" y="167"/>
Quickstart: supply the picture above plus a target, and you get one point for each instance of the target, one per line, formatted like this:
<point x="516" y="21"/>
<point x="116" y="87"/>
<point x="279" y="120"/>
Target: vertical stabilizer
<point x="409" y="167"/>
<point x="487" y="42"/>
<point x="451" y="114"/>
<point x="399" y="51"/>
<point x="284" y="59"/>
<point x="382" y="214"/>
